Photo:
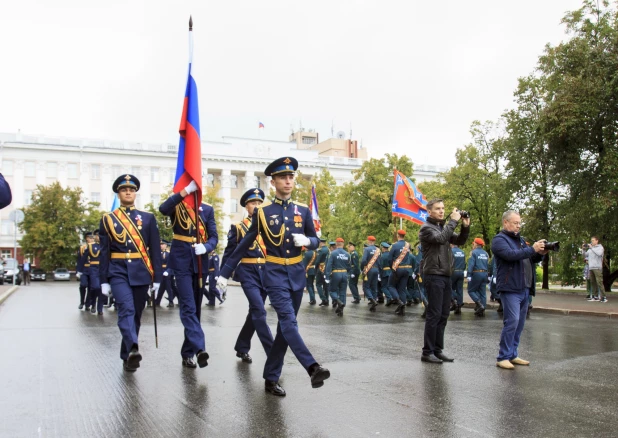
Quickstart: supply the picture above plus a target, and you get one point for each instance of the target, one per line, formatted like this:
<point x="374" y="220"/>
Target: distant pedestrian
<point x="26" y="269"/>
<point x="595" y="262"/>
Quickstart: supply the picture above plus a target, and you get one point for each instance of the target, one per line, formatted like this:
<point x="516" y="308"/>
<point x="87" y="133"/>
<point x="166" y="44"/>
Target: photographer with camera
<point x="515" y="277"/>
<point x="594" y="254"/>
<point x="436" y="269"/>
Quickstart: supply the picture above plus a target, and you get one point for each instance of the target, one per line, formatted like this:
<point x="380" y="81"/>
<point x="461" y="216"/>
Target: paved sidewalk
<point x="6" y="290"/>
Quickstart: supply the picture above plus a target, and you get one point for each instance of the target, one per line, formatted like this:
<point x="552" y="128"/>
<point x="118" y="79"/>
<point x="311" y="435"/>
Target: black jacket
<point x="436" y="238"/>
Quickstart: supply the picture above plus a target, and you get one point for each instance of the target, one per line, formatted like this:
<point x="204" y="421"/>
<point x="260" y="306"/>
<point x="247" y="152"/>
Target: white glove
<point x="78" y="275"/>
<point x="222" y="284"/>
<point x="379" y="278"/>
<point x="165" y="274"/>
<point x="301" y="240"/>
<point x="351" y="275"/>
<point x="465" y="273"/>
<point x="216" y="278"/>
<point x="413" y="276"/>
<point x="318" y="233"/>
<point x="192" y="187"/>
<point x="469" y="279"/>
<point x="106" y="289"/>
<point x="326" y="281"/>
<point x="200" y="249"/>
<point x="494" y="280"/>
<point x="155" y="288"/>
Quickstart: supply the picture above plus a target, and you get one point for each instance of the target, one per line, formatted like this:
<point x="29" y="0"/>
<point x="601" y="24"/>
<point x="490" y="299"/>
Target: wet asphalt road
<point x="62" y="376"/>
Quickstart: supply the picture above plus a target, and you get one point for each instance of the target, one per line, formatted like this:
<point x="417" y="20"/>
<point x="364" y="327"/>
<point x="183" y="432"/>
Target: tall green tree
<point x="54" y="224"/>
<point x="325" y="190"/>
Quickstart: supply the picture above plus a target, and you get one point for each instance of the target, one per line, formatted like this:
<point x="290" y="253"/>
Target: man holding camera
<point x="595" y="266"/>
<point x="436" y="269"/>
<point x="515" y="277"/>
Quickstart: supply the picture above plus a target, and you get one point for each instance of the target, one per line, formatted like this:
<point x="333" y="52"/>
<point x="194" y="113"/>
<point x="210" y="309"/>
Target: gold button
<point x="285" y="218"/>
<point x="127" y="255"/>
<point x="288" y="251"/>
<point x="287" y="240"/>
<point x="287" y="228"/>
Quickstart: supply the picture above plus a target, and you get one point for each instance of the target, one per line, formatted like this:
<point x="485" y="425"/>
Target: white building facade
<point x="234" y="164"/>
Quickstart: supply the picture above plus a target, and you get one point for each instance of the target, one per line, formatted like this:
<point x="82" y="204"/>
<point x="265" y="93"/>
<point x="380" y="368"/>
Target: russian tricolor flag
<point x="313" y="206"/>
<point x="189" y="164"/>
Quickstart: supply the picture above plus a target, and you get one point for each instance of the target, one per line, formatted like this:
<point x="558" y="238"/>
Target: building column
<point x="225" y="192"/>
<point x="144" y="188"/>
<point x="249" y="180"/>
<point x="106" y="188"/>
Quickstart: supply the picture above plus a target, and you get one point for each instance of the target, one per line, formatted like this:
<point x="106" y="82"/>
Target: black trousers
<point x="438" y="291"/>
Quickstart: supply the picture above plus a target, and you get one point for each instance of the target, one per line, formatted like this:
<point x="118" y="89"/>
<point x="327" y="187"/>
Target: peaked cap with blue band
<point x="126" y="181"/>
<point x="281" y="166"/>
<point x="385" y="245"/>
<point x="251" y="195"/>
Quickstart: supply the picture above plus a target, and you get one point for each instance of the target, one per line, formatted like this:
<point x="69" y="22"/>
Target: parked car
<point x="1" y="276"/>
<point x="62" y="274"/>
<point x="38" y="274"/>
<point x="11" y="269"/>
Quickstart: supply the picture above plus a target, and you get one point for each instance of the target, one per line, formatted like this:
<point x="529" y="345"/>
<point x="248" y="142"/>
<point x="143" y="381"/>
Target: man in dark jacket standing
<point x="515" y="277"/>
<point x="437" y="266"/>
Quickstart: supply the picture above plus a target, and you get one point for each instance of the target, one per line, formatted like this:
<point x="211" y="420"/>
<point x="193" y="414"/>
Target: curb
<point x="557" y="311"/>
<point x="8" y="293"/>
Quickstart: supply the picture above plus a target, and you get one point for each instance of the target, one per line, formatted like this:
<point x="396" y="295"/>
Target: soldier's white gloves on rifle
<point x="465" y="273"/>
<point x="200" y="249"/>
<point x="192" y="187"/>
<point x="301" y="240"/>
<point x="222" y="284"/>
<point x="155" y="288"/>
<point x="318" y="233"/>
<point x="106" y="289"/>
<point x="165" y="274"/>
<point x="351" y="275"/>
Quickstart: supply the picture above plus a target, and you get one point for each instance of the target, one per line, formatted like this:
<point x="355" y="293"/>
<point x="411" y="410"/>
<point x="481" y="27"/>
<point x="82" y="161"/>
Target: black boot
<point x="408" y="303"/>
<point x="499" y="309"/>
<point x="458" y="310"/>
<point x="479" y="310"/>
<point x="373" y="304"/>
<point x="380" y="300"/>
<point x="453" y="305"/>
<point x="401" y="308"/>
<point x="389" y="302"/>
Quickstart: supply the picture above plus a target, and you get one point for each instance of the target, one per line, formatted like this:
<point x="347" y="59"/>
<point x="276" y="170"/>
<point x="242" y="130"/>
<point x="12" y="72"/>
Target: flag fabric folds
<point x="189" y="164"/>
<point x="115" y="203"/>
<point x="313" y="207"/>
<point x="408" y="202"/>
<point x="261" y="125"/>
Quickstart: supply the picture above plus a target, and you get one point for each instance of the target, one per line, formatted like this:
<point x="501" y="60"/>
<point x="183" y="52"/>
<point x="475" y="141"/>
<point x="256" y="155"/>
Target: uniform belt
<point x="126" y="255"/>
<point x="86" y="265"/>
<point x="94" y="263"/>
<point x="386" y="269"/>
<point x="284" y="261"/>
<point x="211" y="270"/>
<point x="481" y="270"/>
<point x="404" y="266"/>
<point x="253" y="261"/>
<point x="340" y="270"/>
<point x="184" y="238"/>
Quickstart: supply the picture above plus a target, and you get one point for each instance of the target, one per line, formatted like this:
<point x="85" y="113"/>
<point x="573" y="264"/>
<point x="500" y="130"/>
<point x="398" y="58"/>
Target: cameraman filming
<point x="436" y="269"/>
<point x="594" y="254"/>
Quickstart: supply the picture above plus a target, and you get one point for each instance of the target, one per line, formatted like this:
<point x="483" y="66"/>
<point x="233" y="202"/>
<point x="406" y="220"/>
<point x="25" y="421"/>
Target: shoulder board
<point x="300" y="204"/>
<point x="206" y="203"/>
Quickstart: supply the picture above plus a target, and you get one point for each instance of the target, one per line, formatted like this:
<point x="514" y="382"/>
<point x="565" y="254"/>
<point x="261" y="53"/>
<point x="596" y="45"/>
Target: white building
<point x="235" y="164"/>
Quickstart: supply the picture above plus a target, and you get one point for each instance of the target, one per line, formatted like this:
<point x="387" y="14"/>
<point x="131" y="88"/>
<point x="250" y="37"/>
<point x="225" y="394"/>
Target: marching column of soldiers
<point x="273" y="253"/>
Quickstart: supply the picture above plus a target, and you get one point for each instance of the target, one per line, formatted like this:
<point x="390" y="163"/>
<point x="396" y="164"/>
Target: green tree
<point x="325" y="190"/>
<point x="364" y="206"/>
<point x="54" y="225"/>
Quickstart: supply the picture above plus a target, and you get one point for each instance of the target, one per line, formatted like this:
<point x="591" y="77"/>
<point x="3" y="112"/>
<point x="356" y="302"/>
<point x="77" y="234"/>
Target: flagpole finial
<point x="190" y="23"/>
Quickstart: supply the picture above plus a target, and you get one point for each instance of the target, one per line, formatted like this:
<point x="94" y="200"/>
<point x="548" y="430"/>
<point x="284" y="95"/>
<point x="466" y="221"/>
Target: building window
<point x="210" y="180"/>
<point x="154" y="174"/>
<point x="95" y="171"/>
<point x="7" y="167"/>
<point x="308" y="140"/>
<point x="52" y="169"/>
<point x="29" y="168"/>
<point x="27" y="198"/>
<point x="7" y="228"/>
<point x="138" y="200"/>
<point x="95" y="197"/>
<point x="156" y="200"/>
<point x="234" y="181"/>
<point x="234" y="205"/>
<point x="116" y="171"/>
<point x="135" y="171"/>
<point x="72" y="170"/>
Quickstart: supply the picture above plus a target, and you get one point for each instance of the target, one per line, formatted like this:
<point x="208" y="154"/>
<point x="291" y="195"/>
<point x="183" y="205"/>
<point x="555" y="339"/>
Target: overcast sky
<point x="409" y="76"/>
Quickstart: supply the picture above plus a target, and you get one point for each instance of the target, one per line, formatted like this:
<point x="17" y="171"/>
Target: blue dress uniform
<point x="165" y="280"/>
<point x="320" y="264"/>
<point x="130" y="261"/>
<point x="385" y="272"/>
<point x="398" y="283"/>
<point x="83" y="267"/>
<point x="94" y="282"/>
<point x="412" y="294"/>
<point x="5" y="192"/>
<point x="478" y="266"/>
<point x="214" y="269"/>
<point x="371" y="270"/>
<point x="457" y="278"/>
<point x="309" y="263"/>
<point x="337" y="270"/>
<point x="353" y="281"/>
<point x="250" y="274"/>
<point x="284" y="275"/>
<point x="183" y="262"/>
<point x="419" y="278"/>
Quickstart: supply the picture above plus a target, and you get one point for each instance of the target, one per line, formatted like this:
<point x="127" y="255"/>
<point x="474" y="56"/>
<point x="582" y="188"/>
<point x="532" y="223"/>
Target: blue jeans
<point x="515" y="305"/>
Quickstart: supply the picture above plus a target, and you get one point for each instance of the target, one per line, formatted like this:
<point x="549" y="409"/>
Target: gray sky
<point x="409" y="76"/>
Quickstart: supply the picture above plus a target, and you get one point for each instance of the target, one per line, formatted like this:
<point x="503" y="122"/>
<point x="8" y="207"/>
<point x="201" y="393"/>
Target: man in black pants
<point x="437" y="266"/>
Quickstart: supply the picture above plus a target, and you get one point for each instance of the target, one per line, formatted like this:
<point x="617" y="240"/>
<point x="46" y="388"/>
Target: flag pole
<point x="196" y="204"/>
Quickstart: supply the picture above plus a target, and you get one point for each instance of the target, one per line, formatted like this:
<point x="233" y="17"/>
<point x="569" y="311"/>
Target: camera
<point x="586" y="246"/>
<point x="464" y="214"/>
<point x="552" y="246"/>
